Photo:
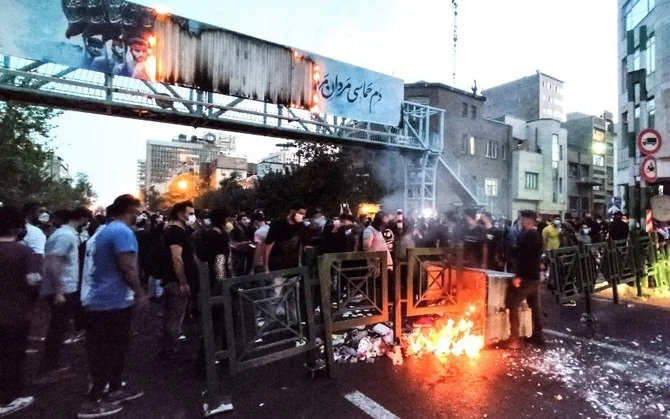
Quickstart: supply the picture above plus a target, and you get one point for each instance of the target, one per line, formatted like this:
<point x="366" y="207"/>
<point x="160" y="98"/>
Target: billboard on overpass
<point x="126" y="39"/>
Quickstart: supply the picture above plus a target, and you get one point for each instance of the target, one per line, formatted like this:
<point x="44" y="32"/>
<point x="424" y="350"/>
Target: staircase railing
<point x="464" y="177"/>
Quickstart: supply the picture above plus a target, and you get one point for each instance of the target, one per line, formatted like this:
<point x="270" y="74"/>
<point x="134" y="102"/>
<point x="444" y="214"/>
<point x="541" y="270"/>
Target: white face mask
<point x="208" y="222"/>
<point x="336" y="223"/>
<point x="191" y="220"/>
<point x="298" y="218"/>
<point x="44" y="217"/>
<point x="557" y="222"/>
<point x="321" y="222"/>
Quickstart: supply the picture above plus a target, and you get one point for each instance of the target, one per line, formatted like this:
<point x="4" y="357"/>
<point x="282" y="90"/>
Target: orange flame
<point x="150" y="65"/>
<point x="452" y="337"/>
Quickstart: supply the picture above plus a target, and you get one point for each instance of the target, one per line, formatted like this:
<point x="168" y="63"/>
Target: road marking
<point x="369" y="406"/>
<point x="616" y="348"/>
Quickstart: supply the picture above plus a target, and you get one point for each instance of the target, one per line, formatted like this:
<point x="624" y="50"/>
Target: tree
<point x="231" y="196"/>
<point x="24" y="138"/>
<point x="84" y="188"/>
<point x="154" y="200"/>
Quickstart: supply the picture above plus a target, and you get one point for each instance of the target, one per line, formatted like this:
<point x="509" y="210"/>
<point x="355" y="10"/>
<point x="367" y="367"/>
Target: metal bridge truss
<point x="419" y="136"/>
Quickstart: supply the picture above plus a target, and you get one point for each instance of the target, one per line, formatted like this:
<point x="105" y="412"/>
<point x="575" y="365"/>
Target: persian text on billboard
<point x="357" y="93"/>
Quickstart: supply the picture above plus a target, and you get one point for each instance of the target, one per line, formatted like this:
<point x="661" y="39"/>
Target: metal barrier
<point x="646" y="265"/>
<point x="567" y="280"/>
<point x="254" y="320"/>
<point x="433" y="281"/>
<point x="354" y="292"/>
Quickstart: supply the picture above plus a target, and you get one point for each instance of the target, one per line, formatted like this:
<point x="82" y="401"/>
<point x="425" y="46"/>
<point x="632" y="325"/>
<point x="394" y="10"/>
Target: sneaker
<point x="98" y="409"/>
<point x="123" y="395"/>
<point x="16" y="405"/>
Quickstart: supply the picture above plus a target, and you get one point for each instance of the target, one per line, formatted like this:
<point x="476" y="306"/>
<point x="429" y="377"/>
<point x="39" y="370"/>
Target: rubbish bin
<point x="491" y="287"/>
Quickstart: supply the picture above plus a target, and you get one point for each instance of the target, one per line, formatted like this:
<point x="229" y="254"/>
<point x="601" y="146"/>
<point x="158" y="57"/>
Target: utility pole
<point x="454" y="5"/>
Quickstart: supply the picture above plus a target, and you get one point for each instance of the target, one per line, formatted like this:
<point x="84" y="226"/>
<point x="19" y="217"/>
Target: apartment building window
<point x="651" y="54"/>
<point x="491" y="186"/>
<point x="532" y="180"/>
<point x="464" y="143"/>
<point x="624" y="74"/>
<point x="492" y="149"/>
<point x="560" y="152"/>
<point x="598" y="161"/>
<point x="636" y="121"/>
<point x="471" y="146"/>
<point x="473" y="111"/>
<point x="585" y="204"/>
<point x="584" y="170"/>
<point x="651" y="113"/>
<point x="573" y="203"/>
<point x="465" y="110"/>
<point x="560" y="185"/>
<point x="636" y="10"/>
<point x="636" y="59"/>
<point x="573" y="169"/>
<point x="505" y="151"/>
<point x="610" y="173"/>
<point x="610" y="150"/>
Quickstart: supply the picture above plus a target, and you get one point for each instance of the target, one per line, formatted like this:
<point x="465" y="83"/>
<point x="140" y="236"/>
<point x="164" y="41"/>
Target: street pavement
<point x="618" y="367"/>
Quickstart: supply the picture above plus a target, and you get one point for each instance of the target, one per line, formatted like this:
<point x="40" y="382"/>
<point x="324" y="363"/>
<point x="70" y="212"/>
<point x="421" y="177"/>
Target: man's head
<point x="470" y="216"/>
<point x="183" y="212"/>
<point x="34" y="213"/>
<point x="218" y="217"/>
<point x="347" y="219"/>
<point x="125" y="208"/>
<point x="557" y="220"/>
<point x="617" y="216"/>
<point x="117" y="48"/>
<point x="528" y="219"/>
<point x="12" y="222"/>
<point x="60" y="217"/>
<point x="297" y="213"/>
<point x="599" y="219"/>
<point x="139" y="49"/>
<point x="381" y="220"/>
<point x="487" y="218"/>
<point x="243" y="219"/>
<point x="317" y="218"/>
<point x="258" y="218"/>
<point x="79" y="217"/>
<point x="94" y="46"/>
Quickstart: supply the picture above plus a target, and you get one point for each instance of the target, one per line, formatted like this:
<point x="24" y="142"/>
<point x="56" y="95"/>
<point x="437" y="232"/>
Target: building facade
<point x="538" y="166"/>
<point x="474" y="167"/>
<point x="644" y="92"/>
<point x="166" y="159"/>
<point x="141" y="175"/>
<point x="529" y="98"/>
<point x="57" y="169"/>
<point x="223" y="167"/>
<point x="590" y="163"/>
<point x="277" y="162"/>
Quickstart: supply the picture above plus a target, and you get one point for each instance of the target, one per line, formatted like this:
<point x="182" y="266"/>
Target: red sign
<point x="649" y="141"/>
<point x="648" y="169"/>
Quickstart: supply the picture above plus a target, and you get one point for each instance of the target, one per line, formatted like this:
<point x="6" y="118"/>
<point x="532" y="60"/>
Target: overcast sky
<point x="498" y="41"/>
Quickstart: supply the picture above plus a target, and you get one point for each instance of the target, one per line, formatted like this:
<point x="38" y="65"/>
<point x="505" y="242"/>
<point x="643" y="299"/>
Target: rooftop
<point x="442" y="86"/>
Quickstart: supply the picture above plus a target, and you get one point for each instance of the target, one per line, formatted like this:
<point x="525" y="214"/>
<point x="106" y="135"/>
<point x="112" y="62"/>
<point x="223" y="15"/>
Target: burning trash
<point x="446" y="336"/>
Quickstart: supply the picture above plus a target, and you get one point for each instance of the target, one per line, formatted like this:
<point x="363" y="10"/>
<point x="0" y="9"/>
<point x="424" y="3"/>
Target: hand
<point x="59" y="299"/>
<point x="516" y="282"/>
<point x="184" y="290"/>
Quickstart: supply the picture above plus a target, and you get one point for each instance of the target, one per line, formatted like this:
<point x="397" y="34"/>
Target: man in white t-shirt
<point x="35" y="239"/>
<point x="260" y="235"/>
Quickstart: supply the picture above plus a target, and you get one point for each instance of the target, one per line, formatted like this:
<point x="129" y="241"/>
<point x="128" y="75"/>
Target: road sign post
<point x="649" y="141"/>
<point x="648" y="169"/>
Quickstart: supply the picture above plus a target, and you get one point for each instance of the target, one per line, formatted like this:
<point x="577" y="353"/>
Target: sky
<point x="498" y="41"/>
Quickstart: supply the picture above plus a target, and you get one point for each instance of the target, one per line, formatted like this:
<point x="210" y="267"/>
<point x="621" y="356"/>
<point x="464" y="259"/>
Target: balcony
<point x="589" y="181"/>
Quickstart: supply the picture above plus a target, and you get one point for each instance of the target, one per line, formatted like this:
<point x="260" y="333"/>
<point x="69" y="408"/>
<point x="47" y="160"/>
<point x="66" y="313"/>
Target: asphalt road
<point x="618" y="368"/>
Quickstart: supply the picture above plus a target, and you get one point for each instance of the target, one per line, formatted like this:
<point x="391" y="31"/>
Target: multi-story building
<point x="473" y="169"/>
<point x="57" y="169"/>
<point x="223" y="167"/>
<point x="538" y="166"/>
<point x="528" y="98"/>
<point x="165" y="159"/>
<point x="141" y="175"/>
<point x="644" y="95"/>
<point x="590" y="163"/>
<point x="277" y="162"/>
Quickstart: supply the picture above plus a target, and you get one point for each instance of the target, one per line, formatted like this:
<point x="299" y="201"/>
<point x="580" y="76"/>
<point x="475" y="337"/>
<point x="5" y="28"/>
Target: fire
<point x="150" y="65"/>
<point x="455" y="337"/>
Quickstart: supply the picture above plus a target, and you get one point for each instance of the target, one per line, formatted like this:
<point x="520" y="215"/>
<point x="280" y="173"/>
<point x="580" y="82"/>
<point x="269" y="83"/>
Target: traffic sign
<point x="649" y="141"/>
<point x="648" y="169"/>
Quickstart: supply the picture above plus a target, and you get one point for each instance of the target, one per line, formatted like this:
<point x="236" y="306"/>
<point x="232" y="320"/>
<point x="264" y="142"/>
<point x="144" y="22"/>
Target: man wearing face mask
<point x="551" y="235"/>
<point x="283" y="243"/>
<point x="313" y="235"/>
<point x="61" y="285"/>
<point x="241" y="246"/>
<point x="181" y="274"/>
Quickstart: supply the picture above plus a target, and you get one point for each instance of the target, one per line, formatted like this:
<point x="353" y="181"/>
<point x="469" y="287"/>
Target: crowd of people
<point x="92" y="271"/>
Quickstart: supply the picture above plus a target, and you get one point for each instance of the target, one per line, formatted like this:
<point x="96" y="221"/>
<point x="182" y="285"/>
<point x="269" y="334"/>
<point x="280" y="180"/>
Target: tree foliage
<point x="329" y="177"/>
<point x="25" y="135"/>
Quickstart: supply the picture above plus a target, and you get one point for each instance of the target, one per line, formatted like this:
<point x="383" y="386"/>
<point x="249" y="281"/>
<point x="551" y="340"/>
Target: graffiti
<point x="331" y="88"/>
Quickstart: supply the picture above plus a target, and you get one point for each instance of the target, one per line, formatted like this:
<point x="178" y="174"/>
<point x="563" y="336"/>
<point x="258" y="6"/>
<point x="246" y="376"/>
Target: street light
<point x="182" y="184"/>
